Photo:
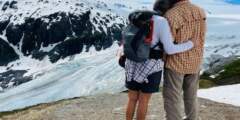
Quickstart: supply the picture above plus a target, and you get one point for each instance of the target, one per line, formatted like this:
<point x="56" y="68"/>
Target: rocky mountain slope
<point x="54" y="29"/>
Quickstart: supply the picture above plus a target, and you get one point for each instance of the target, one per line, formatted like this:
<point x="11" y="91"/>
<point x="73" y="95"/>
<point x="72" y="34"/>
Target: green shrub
<point x="206" y="76"/>
<point x="230" y="75"/>
<point x="230" y="70"/>
<point x="206" y="83"/>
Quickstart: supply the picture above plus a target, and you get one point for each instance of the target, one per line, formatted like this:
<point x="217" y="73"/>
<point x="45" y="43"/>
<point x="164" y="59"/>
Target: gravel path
<point x="112" y="107"/>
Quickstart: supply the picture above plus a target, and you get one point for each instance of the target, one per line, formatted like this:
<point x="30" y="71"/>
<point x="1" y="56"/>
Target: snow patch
<point x="225" y="94"/>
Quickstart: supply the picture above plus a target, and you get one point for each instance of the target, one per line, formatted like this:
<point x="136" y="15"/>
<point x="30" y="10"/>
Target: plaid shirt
<point x="187" y="22"/>
<point x="140" y="71"/>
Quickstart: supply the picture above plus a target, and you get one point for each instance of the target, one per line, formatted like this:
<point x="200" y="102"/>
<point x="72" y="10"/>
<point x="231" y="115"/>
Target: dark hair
<point x="162" y="6"/>
<point x="138" y="17"/>
<point x="174" y="1"/>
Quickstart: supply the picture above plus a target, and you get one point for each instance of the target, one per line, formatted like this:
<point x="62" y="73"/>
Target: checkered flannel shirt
<point x="139" y="71"/>
<point x="187" y="22"/>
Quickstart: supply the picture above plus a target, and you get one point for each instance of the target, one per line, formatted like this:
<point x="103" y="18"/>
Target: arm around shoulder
<point x="167" y="40"/>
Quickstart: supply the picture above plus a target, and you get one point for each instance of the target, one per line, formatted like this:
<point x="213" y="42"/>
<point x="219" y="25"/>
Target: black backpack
<point x="136" y="46"/>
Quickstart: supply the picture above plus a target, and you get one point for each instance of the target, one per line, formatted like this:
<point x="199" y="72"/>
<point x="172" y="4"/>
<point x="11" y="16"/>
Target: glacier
<point x="88" y="74"/>
<point x="93" y="72"/>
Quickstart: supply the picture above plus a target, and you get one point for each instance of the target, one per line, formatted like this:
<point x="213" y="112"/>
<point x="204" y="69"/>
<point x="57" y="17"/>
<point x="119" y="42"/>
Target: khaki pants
<point x="174" y="84"/>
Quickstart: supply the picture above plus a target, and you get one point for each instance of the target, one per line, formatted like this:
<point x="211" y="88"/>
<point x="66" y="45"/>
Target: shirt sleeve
<point x="172" y="22"/>
<point x="166" y="38"/>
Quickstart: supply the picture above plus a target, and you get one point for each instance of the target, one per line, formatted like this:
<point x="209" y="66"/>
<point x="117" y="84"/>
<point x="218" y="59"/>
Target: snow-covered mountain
<point x="63" y="49"/>
<point x="55" y="28"/>
<point x="52" y="30"/>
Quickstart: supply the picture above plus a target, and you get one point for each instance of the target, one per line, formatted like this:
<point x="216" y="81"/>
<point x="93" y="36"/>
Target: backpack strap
<point x="149" y="37"/>
<point x="159" y="44"/>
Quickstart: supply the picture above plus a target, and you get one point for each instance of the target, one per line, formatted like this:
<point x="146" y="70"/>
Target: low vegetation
<point x="230" y="74"/>
<point x="206" y="84"/>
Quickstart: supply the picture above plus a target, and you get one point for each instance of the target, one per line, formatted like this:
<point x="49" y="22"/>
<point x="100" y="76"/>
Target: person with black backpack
<point x="145" y="40"/>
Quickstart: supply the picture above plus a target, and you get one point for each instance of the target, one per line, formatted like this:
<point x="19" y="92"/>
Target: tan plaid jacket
<point x="187" y="22"/>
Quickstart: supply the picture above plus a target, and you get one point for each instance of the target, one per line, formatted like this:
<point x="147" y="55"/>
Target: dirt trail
<point x="112" y="107"/>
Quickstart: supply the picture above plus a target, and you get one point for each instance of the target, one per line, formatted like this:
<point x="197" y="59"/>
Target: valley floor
<point x="112" y="107"/>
